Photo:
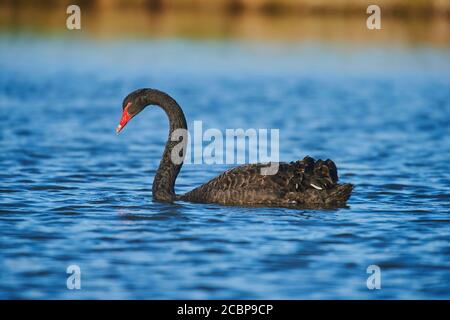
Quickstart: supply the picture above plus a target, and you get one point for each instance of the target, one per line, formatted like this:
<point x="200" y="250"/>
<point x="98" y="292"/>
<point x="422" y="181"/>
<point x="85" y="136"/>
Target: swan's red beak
<point x="125" y="118"/>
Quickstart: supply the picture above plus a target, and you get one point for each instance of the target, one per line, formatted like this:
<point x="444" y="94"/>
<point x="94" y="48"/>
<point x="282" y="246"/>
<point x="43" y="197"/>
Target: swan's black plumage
<point x="303" y="183"/>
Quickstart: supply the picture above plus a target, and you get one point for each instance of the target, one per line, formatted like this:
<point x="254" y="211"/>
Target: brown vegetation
<point x="391" y="7"/>
<point x="403" y="21"/>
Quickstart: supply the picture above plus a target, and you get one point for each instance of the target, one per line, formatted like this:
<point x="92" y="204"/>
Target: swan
<point x="306" y="183"/>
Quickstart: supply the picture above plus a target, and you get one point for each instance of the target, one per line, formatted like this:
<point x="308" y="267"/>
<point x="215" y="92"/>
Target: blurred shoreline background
<point x="403" y="21"/>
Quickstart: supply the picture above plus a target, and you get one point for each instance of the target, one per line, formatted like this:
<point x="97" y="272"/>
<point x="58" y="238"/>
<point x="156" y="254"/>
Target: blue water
<point x="73" y="192"/>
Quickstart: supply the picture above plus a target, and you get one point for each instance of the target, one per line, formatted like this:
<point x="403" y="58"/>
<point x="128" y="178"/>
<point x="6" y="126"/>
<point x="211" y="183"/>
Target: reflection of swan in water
<point x="303" y="183"/>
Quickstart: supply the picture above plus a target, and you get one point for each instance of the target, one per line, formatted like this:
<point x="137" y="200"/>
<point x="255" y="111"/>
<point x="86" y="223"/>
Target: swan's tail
<point x="340" y="193"/>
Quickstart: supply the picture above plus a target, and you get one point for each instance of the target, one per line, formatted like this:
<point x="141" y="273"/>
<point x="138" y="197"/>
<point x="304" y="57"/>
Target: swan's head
<point x="131" y="106"/>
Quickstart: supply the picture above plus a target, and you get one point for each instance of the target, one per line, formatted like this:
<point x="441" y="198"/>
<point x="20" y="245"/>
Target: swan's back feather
<point x="304" y="182"/>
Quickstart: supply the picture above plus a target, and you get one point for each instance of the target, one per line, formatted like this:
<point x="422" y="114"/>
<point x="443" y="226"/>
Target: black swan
<point x="304" y="183"/>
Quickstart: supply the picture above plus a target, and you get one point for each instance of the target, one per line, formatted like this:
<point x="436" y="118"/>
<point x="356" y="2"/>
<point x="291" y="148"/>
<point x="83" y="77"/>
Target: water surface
<point x="72" y="192"/>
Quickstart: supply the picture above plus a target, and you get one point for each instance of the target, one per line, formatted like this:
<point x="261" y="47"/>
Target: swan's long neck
<point x="169" y="167"/>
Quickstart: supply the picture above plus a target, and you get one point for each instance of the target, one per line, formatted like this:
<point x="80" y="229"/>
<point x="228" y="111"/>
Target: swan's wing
<point x="246" y="182"/>
<point x="320" y="174"/>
